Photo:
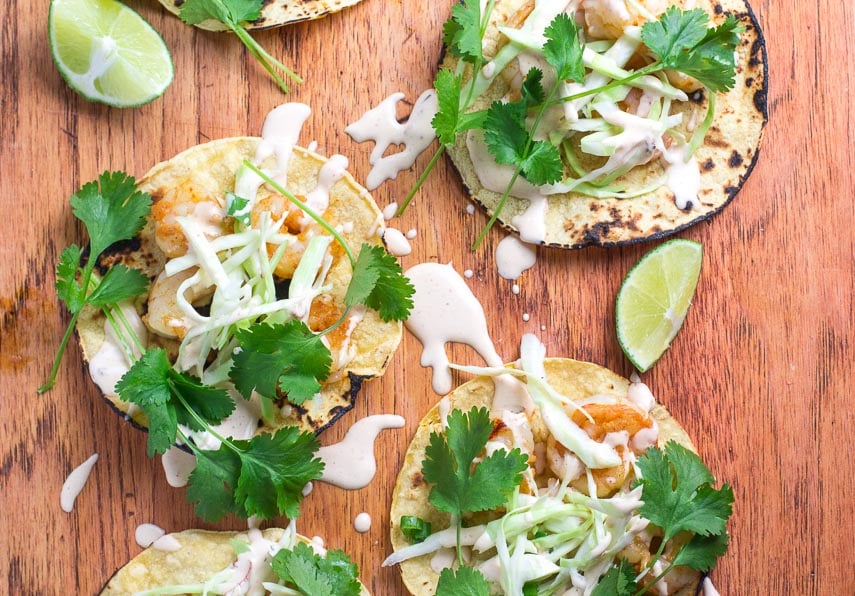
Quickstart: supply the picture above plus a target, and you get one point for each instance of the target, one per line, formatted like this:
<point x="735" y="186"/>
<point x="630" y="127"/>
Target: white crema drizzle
<point x="75" y="482"/>
<point x="396" y="242"/>
<point x="513" y="257"/>
<point x="156" y="537"/>
<point x="110" y="362"/>
<point x="380" y="124"/>
<point x="177" y="466"/>
<point x="350" y="464"/>
<point x="444" y="311"/>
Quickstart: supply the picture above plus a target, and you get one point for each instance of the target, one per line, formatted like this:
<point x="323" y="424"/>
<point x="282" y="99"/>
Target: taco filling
<point x="588" y="488"/>
<point x="587" y="122"/>
<point x="257" y="562"/>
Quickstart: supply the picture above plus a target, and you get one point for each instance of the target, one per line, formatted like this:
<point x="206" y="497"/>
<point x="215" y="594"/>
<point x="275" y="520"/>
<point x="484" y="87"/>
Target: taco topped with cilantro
<point x="271" y="561"/>
<point x="248" y="291"/>
<point x="585" y="486"/>
<point x="233" y="302"/>
<point x="602" y="123"/>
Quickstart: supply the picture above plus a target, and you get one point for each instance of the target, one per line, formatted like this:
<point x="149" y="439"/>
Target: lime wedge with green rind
<point x="106" y="52"/>
<point x="654" y="299"/>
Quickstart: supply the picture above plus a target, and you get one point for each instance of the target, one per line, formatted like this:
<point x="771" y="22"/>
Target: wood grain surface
<point x="758" y="375"/>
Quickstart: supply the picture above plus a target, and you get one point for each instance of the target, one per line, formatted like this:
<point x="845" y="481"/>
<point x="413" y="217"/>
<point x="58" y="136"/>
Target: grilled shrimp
<point x="680" y="580"/>
<point x="164" y="316"/>
<point x="297" y="226"/>
<point x="185" y="200"/>
<point x="607" y="19"/>
<point x="609" y="419"/>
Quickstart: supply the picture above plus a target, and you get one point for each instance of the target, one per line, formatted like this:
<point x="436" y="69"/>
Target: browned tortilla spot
<point x="735" y="159"/>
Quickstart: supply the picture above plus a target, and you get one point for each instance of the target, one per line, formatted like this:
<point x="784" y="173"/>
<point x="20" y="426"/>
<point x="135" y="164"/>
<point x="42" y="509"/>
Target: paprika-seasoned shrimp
<point x="608" y="419"/>
<point x="299" y="228"/>
<point x="607" y="19"/>
<point x="185" y="200"/>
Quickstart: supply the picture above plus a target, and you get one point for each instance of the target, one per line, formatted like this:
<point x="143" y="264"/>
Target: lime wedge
<point x="654" y="298"/>
<point x="108" y="53"/>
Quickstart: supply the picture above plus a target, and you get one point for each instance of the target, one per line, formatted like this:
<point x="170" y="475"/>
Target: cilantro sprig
<point x="509" y="139"/>
<point x="333" y="575"/>
<point x="234" y="14"/>
<point x="287" y="358"/>
<point x="684" y="41"/>
<point x="112" y="210"/>
<point x="463" y="35"/>
<point x="459" y="485"/>
<point x="678" y="497"/>
<point x="263" y="477"/>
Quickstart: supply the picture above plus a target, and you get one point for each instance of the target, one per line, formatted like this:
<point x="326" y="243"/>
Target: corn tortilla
<point x="726" y="157"/>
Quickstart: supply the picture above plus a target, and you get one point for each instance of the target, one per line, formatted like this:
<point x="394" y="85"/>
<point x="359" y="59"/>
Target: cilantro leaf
<point x="701" y="552"/>
<point x="532" y="88"/>
<point x="67" y="288"/>
<point x="675" y="33"/>
<point x="543" y="164"/>
<point x="462" y="32"/>
<point x="505" y="133"/>
<point x="162" y="393"/>
<point x="236" y="206"/>
<point x="119" y="283"/>
<point x="563" y="50"/>
<point x="116" y="211"/>
<point x="285" y="357"/>
<point x="683" y="41"/>
<point x="450" y="119"/>
<point x="333" y="575"/>
<point x="274" y="470"/>
<point x="677" y="494"/>
<point x="463" y="582"/>
<point x="511" y="144"/>
<point x="233" y="14"/>
<point x="211" y="483"/>
<point x="112" y="210"/>
<point x="264" y="476"/>
<point x="447" y="117"/>
<point x="619" y="581"/>
<point x="448" y="466"/>
<point x="379" y="283"/>
<point x="146" y="384"/>
<point x="229" y="12"/>
<point x="212" y="404"/>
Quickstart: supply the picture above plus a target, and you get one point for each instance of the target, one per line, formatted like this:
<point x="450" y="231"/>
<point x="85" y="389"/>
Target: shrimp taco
<point x="275" y="13"/>
<point x="234" y="263"/>
<point x="253" y="562"/>
<point x="559" y="491"/>
<point x="657" y="129"/>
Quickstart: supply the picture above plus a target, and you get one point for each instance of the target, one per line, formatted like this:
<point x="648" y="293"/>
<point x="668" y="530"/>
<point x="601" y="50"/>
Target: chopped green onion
<point x="415" y="529"/>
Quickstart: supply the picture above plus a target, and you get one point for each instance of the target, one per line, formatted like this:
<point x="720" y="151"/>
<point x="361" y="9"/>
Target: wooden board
<point x="758" y="374"/>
